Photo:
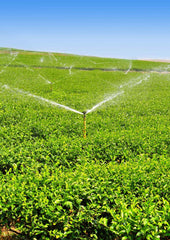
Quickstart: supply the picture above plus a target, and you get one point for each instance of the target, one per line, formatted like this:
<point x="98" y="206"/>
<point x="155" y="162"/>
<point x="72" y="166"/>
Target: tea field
<point x="112" y="185"/>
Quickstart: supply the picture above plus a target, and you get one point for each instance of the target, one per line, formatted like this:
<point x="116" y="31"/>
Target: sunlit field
<point x="58" y="184"/>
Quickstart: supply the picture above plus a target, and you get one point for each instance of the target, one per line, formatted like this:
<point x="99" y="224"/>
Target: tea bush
<point x="93" y="201"/>
<point x="56" y="185"/>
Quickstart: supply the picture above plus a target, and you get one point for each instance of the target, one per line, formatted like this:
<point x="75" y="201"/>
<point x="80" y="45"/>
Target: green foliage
<point x="57" y="185"/>
<point x="128" y="200"/>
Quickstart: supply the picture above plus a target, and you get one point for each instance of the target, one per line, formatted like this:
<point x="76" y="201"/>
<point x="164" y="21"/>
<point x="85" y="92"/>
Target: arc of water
<point x="52" y="55"/>
<point x="5" y="67"/>
<point x="47" y="81"/>
<point x="119" y="93"/>
<point x="31" y="70"/>
<point x="69" y="67"/>
<point x="133" y="84"/>
<point x="70" y="70"/>
<point x="141" y="80"/>
<point x="163" y="68"/>
<point x="88" y="111"/>
<point x="104" y="101"/>
<point x="41" y="98"/>
<point x="130" y="66"/>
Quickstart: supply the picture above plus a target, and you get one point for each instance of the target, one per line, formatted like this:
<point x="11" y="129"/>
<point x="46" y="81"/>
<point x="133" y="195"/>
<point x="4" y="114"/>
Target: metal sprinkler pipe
<point x="84" y="123"/>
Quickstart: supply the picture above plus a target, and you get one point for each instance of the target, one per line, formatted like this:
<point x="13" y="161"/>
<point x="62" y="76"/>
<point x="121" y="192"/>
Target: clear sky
<point x="123" y="29"/>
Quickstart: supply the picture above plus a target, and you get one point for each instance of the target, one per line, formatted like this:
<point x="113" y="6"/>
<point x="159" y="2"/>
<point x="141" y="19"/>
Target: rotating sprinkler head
<point x="84" y="122"/>
<point x="84" y="112"/>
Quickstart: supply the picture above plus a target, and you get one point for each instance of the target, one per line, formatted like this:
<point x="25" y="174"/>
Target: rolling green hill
<point x="55" y="184"/>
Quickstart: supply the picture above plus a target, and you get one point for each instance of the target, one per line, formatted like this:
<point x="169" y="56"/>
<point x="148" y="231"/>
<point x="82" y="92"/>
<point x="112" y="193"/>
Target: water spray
<point x="130" y="66"/>
<point x="130" y="84"/>
<point x="13" y="59"/>
<point x="84" y="123"/>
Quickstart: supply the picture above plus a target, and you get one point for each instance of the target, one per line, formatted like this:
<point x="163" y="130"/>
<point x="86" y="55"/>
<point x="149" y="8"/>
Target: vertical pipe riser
<point x="84" y="123"/>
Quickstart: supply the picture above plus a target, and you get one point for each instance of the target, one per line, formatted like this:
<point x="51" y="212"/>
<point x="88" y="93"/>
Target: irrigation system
<point x="84" y="113"/>
<point x="84" y="123"/>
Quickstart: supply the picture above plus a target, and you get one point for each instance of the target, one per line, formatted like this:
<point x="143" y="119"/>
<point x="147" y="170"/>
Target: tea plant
<point x="56" y="185"/>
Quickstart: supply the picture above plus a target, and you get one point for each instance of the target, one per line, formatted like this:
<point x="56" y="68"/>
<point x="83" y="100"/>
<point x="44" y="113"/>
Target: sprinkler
<point x="84" y="122"/>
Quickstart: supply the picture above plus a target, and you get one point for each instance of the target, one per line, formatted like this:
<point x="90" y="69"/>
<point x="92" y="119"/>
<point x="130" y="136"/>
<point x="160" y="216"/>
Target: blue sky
<point x="123" y="29"/>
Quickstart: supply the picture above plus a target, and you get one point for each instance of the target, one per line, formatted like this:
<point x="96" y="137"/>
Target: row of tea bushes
<point x="91" y="201"/>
